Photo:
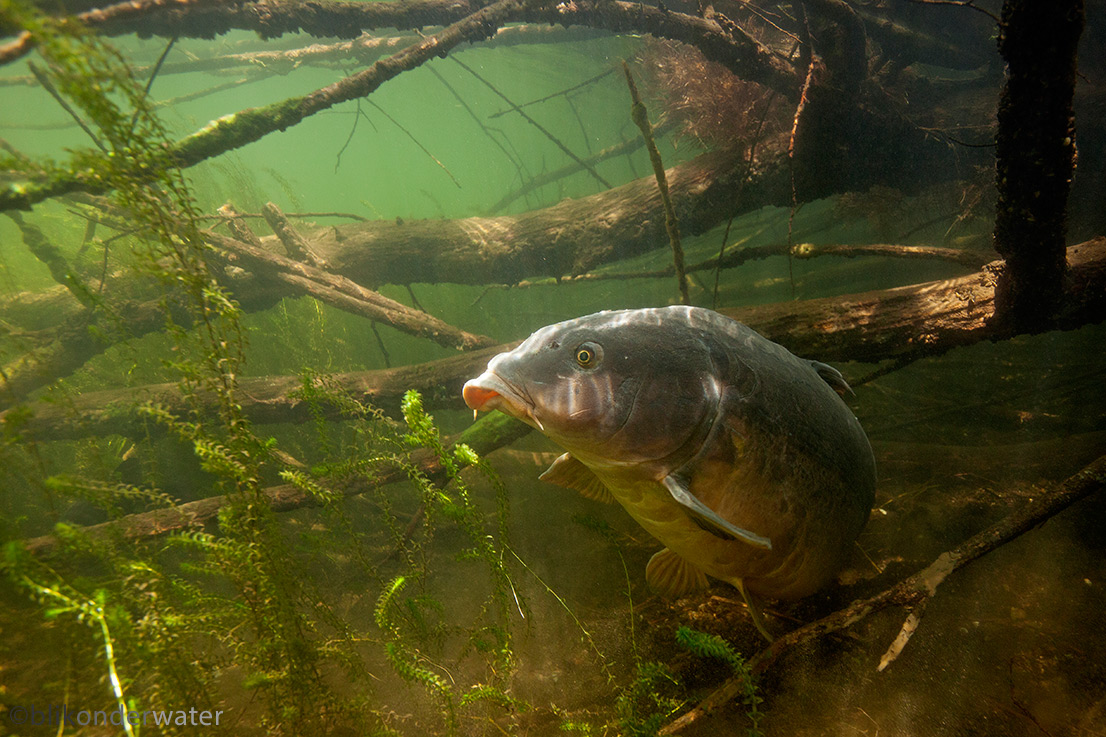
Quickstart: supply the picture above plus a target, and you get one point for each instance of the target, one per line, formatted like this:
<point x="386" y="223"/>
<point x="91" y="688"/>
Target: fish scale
<point x="738" y="456"/>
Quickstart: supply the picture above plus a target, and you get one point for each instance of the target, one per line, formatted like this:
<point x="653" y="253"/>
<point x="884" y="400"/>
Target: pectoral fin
<point x="708" y="519"/>
<point x="671" y="576"/>
<point x="568" y="472"/>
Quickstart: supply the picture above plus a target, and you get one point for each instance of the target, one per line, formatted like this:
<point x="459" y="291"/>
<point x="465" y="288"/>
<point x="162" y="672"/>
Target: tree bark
<point x="733" y="48"/>
<point x="922" y="319"/>
<point x="1035" y="157"/>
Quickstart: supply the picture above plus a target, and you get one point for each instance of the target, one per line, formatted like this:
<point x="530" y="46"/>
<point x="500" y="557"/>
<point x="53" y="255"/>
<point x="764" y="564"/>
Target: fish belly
<point x="651" y="505"/>
<point x="795" y="567"/>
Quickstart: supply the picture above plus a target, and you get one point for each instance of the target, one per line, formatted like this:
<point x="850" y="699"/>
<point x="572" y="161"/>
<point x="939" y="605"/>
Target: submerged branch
<point x="348" y="295"/>
<point x="737" y="256"/>
<point x="915" y="591"/>
<point x="730" y="46"/>
<point x="247" y="126"/>
<point x="489" y="433"/>
<point x="294" y="243"/>
<point x="671" y="222"/>
<point x="922" y="319"/>
<point x="973" y="259"/>
<point x="264" y="399"/>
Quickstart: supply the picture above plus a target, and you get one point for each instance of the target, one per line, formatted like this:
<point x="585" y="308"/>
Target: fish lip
<point x="507" y="398"/>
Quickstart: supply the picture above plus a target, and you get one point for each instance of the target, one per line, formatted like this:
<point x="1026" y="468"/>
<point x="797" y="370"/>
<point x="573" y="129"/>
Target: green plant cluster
<point x="251" y="597"/>
<point x="243" y="598"/>
<point x="712" y="646"/>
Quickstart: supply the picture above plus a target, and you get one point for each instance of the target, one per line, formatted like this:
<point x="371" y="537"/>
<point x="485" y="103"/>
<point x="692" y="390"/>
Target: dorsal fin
<point x="833" y="377"/>
<point x="568" y="472"/>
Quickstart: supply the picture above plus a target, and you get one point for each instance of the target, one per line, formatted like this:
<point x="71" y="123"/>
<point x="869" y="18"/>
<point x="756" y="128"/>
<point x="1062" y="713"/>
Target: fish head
<point x="614" y="388"/>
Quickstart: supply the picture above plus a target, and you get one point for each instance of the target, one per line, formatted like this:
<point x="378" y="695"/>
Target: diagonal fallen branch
<point x="489" y="433"/>
<point x="913" y="592"/>
<point x="348" y="295"/>
<point x="234" y="131"/>
<point x="901" y="323"/>
<point x="671" y="223"/>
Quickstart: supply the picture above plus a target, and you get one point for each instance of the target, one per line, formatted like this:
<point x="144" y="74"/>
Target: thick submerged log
<point x="1035" y="156"/>
<point x="921" y="319"/>
<point x="905" y="322"/>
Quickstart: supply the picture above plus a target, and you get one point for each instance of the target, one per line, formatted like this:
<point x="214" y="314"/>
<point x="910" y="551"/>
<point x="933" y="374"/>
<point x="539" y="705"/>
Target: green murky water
<point x="376" y="609"/>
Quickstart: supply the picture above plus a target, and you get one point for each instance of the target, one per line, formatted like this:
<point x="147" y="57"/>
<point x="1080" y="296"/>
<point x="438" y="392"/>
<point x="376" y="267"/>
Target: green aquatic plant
<point x="63" y="600"/>
<point x="712" y="646"/>
<point x="651" y="696"/>
<point x="240" y="596"/>
<point x="648" y="701"/>
<point x="404" y="657"/>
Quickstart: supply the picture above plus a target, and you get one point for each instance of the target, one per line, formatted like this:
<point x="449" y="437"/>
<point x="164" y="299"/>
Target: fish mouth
<point x="489" y="391"/>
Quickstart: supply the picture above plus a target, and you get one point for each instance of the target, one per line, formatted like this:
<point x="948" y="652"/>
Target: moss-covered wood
<point x="904" y="323"/>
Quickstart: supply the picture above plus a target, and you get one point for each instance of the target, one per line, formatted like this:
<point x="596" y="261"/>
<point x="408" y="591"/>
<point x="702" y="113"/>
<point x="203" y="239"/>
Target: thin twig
<point x="806" y="53"/>
<point x="259" y="216"/>
<point x="749" y="159"/>
<point x="414" y="299"/>
<point x="380" y="345"/>
<point x="960" y="3"/>
<point x="157" y="65"/>
<point x="352" y="130"/>
<point x="591" y="170"/>
<point x="44" y="80"/>
<point x="625" y="148"/>
<point x="563" y="93"/>
<point x="671" y="224"/>
<point x="580" y="122"/>
<point x="472" y="114"/>
<point x="414" y="140"/>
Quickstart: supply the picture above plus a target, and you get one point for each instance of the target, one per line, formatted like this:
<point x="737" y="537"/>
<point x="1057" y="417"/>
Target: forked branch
<point x="913" y="592"/>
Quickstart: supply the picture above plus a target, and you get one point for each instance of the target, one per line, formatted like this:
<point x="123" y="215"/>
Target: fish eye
<point x="588" y="354"/>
